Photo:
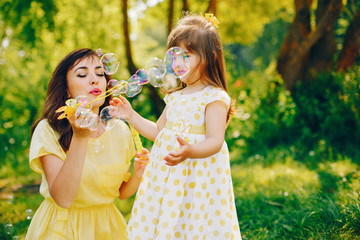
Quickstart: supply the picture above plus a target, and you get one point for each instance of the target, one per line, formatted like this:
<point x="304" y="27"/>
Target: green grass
<point x="289" y="200"/>
<point x="277" y="198"/>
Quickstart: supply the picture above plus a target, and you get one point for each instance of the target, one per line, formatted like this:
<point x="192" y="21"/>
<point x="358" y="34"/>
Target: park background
<point x="292" y="67"/>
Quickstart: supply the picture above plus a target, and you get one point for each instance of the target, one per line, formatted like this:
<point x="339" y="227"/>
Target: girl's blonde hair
<point x="201" y="38"/>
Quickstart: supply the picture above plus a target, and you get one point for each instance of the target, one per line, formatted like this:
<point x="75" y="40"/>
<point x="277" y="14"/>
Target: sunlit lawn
<point x="282" y="200"/>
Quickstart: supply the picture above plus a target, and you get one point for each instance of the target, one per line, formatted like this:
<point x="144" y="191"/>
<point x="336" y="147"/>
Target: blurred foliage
<point x="28" y="55"/>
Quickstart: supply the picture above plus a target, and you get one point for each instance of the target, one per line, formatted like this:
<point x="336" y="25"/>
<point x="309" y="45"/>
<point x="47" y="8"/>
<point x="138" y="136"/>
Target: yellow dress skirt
<point x="93" y="215"/>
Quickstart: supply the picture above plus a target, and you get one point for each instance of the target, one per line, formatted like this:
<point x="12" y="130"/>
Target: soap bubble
<point x="108" y="116"/>
<point x="86" y="118"/>
<point x="132" y="86"/>
<point x="117" y="87"/>
<point x="110" y="63"/>
<point x="29" y="214"/>
<point x="177" y="62"/>
<point x="142" y="76"/>
<point x="84" y="102"/>
<point x="156" y="71"/>
<point x="9" y="229"/>
<point x="99" y="52"/>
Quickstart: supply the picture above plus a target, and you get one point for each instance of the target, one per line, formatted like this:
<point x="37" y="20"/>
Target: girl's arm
<point x="144" y="126"/>
<point x="64" y="177"/>
<point x="127" y="189"/>
<point x="215" y="121"/>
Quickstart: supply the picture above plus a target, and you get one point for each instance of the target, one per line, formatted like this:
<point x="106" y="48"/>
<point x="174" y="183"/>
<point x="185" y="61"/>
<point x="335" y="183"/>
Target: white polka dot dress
<point x="194" y="199"/>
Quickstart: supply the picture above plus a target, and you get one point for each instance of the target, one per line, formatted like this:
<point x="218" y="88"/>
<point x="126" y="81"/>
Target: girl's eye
<point x="100" y="74"/>
<point x="81" y="75"/>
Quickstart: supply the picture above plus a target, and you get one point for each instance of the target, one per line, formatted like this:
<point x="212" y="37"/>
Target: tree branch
<point x="296" y="49"/>
<point x="212" y="7"/>
<point x="170" y="15"/>
<point x="185" y="6"/>
<point x="325" y="24"/>
<point x="299" y="29"/>
<point x="131" y="66"/>
<point x="351" y="45"/>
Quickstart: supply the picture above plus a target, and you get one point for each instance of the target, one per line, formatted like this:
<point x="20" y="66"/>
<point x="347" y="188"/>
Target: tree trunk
<point x="170" y="15"/>
<point x="322" y="53"/>
<point x="298" y="31"/>
<point x="185" y="6"/>
<point x="297" y="49"/>
<point x="156" y="101"/>
<point x="212" y="7"/>
<point x="131" y="66"/>
<point x="351" y="45"/>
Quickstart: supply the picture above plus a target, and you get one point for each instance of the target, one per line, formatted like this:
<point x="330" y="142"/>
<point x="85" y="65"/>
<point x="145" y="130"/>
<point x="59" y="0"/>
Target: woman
<point x="83" y="171"/>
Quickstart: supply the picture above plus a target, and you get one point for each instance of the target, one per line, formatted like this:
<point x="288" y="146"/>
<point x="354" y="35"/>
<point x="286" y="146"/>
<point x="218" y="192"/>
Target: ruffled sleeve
<point x="44" y="142"/>
<point x="167" y="98"/>
<point x="217" y="94"/>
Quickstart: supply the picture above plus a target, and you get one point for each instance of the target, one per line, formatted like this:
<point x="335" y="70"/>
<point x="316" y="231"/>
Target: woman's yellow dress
<point x="93" y="214"/>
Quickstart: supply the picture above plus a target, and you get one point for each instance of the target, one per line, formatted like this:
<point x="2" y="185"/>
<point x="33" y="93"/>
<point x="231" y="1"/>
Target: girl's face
<point x="87" y="78"/>
<point x="194" y="73"/>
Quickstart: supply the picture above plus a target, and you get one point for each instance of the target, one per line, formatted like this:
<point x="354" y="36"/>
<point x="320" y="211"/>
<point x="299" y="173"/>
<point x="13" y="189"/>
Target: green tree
<point x="309" y="49"/>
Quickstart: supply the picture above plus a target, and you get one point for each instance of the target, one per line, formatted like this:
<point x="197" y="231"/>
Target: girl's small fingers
<point x="171" y="164"/>
<point x="122" y="99"/>
<point x="142" y="156"/>
<point x="116" y="100"/>
<point x="144" y="150"/>
<point x="169" y="159"/>
<point x="175" y="154"/>
<point x="141" y="161"/>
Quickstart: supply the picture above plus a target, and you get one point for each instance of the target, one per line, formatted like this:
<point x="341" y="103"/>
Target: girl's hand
<point x="124" y="107"/>
<point x="140" y="162"/>
<point x="173" y="159"/>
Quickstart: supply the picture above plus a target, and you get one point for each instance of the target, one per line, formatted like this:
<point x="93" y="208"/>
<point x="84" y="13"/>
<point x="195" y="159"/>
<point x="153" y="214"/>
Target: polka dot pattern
<point x="195" y="199"/>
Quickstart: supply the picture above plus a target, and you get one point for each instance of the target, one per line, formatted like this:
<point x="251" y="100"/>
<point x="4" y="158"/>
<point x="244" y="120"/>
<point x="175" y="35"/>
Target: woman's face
<point x="87" y="78"/>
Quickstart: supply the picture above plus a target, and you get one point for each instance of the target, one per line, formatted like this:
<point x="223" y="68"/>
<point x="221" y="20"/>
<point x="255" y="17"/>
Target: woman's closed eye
<point x="84" y="75"/>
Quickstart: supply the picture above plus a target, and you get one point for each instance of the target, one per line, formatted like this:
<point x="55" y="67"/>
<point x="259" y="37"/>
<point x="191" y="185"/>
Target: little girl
<point x="186" y="191"/>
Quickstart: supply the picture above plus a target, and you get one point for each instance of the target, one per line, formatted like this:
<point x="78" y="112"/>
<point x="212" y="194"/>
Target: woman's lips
<point x="96" y="91"/>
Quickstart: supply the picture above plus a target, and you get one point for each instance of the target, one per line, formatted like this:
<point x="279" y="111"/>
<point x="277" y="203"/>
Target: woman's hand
<point x="124" y="107"/>
<point x="79" y="131"/>
<point x="173" y="159"/>
<point x="140" y="162"/>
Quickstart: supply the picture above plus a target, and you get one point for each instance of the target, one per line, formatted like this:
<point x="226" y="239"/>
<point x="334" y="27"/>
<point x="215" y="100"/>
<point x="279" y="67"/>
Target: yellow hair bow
<point x="211" y="19"/>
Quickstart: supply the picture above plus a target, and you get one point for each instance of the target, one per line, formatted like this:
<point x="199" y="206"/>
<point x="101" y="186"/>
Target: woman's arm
<point x="144" y="126"/>
<point x="215" y="121"/>
<point x="127" y="189"/>
<point x="64" y="177"/>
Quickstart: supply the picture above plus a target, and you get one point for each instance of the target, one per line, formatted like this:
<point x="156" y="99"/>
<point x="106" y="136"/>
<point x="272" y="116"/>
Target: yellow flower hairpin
<point x="211" y="19"/>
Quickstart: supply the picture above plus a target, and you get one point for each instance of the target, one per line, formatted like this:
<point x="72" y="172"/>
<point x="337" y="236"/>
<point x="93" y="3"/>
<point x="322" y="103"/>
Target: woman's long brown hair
<point x="201" y="37"/>
<point x="57" y="95"/>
